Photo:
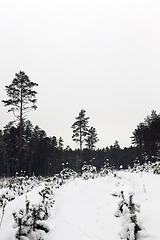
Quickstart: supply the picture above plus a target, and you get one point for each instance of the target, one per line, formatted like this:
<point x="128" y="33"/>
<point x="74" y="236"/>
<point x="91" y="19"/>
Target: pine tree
<point x="22" y="98"/>
<point x="91" y="139"/>
<point x="80" y="128"/>
<point x="80" y="131"/>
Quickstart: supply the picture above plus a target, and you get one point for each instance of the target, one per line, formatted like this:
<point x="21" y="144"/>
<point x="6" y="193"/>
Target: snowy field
<point x="85" y="209"/>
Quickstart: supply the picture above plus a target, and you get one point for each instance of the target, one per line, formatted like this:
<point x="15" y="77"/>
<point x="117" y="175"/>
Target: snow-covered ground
<point x="84" y="209"/>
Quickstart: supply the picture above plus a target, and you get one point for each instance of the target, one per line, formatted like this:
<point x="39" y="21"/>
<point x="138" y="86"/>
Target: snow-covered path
<point x="85" y="210"/>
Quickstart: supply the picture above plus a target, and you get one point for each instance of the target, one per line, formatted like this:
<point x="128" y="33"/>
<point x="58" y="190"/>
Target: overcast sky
<point x="99" y="55"/>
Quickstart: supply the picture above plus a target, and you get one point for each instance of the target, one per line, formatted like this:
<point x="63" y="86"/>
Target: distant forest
<point x="28" y="148"/>
<point x="46" y="156"/>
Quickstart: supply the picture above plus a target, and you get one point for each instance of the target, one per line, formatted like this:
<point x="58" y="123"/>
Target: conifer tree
<point x="22" y="98"/>
<point x="91" y="139"/>
<point x="80" y="128"/>
<point x="80" y="131"/>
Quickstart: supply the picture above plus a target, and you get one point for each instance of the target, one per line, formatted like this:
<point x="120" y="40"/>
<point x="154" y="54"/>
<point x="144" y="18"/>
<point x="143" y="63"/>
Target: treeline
<point x="45" y="156"/>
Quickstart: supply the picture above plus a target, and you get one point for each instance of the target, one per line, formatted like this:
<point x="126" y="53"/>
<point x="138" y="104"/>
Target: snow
<point x="85" y="209"/>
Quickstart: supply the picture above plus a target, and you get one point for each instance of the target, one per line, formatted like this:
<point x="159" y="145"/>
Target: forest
<point x="27" y="148"/>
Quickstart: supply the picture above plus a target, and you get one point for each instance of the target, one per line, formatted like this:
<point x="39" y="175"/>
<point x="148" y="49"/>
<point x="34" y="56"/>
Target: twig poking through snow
<point x="4" y="205"/>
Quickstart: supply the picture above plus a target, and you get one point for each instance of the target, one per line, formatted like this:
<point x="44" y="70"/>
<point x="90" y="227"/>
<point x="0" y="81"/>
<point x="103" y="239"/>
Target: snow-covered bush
<point x="41" y="211"/>
<point x="14" y="187"/>
<point x="105" y="169"/>
<point x="128" y="210"/>
<point x="21" y="185"/>
<point x="7" y="194"/>
<point x="132" y="206"/>
<point x="122" y="208"/>
<point x="156" y="164"/>
<point x="147" y="167"/>
<point x="89" y="171"/>
<point x="156" y="167"/>
<point x="128" y="232"/>
<point x="57" y="181"/>
<point x="28" y="222"/>
<point x="23" y="222"/>
<point x="47" y="196"/>
<point x="136" y="166"/>
<point x="66" y="174"/>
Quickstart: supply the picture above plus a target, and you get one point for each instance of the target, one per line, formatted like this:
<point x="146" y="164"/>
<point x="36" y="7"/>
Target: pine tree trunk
<point x="20" y="137"/>
<point x="20" y="148"/>
<point x="80" y="150"/>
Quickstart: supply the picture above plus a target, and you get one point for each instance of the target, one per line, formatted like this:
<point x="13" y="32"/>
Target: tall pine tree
<point x="80" y="131"/>
<point x="80" y="128"/>
<point x="22" y="98"/>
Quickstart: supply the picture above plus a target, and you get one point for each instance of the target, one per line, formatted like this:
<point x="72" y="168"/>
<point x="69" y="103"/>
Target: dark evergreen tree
<point x="22" y="98"/>
<point x="80" y="128"/>
<point x="91" y="138"/>
<point x="80" y="131"/>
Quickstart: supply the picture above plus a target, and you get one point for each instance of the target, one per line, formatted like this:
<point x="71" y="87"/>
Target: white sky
<point x="99" y="55"/>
